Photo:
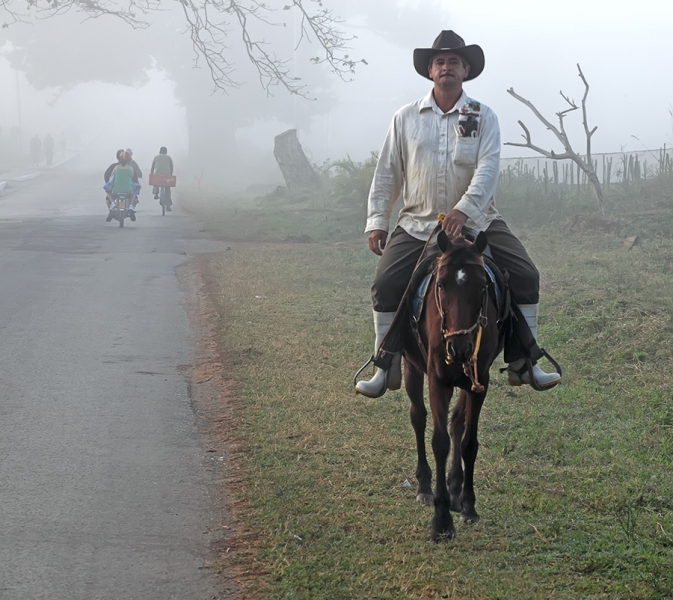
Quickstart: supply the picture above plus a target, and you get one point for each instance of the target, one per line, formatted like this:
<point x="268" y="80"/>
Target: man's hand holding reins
<point x="377" y="241"/>
<point x="453" y="223"/>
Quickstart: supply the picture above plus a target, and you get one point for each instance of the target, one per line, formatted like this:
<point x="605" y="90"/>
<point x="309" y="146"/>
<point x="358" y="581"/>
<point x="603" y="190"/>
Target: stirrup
<point x="369" y="362"/>
<point x="528" y="367"/>
<point x="385" y="381"/>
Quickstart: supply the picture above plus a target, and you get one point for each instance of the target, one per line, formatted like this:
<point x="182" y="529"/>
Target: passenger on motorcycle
<point x="136" y="169"/>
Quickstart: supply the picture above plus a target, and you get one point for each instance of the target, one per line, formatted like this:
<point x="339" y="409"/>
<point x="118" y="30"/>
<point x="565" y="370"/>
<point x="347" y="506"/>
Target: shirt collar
<point x="428" y="102"/>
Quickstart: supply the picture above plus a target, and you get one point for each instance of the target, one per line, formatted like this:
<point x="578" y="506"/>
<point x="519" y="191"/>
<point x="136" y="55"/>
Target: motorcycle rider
<point x="123" y="180"/>
<point x="108" y="174"/>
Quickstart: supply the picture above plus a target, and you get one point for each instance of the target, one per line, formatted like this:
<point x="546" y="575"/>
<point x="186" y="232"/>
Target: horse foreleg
<point x="469" y="449"/>
<point x="442" y="522"/>
<point x="413" y="383"/>
<point x="457" y="432"/>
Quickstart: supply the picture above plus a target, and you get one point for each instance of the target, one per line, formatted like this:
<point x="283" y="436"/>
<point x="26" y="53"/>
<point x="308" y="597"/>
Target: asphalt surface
<point x="105" y="492"/>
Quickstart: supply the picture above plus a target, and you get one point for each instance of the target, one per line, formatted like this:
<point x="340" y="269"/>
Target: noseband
<point x="469" y="367"/>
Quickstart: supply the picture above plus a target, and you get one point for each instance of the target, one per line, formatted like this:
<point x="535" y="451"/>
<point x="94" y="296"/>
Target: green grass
<point x="296" y="218"/>
<point x="574" y="486"/>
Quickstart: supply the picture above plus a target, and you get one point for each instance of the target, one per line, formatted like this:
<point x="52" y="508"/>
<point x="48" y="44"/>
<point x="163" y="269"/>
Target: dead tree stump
<point x="295" y="167"/>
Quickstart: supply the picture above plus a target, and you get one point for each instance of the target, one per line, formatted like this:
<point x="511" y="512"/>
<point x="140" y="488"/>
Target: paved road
<point x="104" y="489"/>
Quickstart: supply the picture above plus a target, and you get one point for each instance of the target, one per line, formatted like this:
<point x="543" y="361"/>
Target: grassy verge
<point x="274" y="220"/>
<point x="574" y="486"/>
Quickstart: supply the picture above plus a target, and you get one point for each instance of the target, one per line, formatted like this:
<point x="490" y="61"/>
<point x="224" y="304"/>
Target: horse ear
<point x="443" y="241"/>
<point x="481" y="242"/>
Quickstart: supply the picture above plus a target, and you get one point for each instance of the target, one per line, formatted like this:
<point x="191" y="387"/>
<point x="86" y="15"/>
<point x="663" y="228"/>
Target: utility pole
<point x="18" y="107"/>
<point x="295" y="41"/>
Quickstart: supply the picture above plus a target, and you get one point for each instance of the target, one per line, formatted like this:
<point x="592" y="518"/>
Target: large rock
<point x="295" y="167"/>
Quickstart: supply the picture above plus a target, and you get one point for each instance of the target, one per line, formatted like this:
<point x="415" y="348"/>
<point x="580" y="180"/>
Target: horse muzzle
<point x="459" y="349"/>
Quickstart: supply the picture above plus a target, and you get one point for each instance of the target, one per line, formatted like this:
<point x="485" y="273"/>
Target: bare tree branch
<point x="208" y="40"/>
<point x="561" y="136"/>
<point x="45" y="9"/>
<point x="584" y="163"/>
<point x="207" y="24"/>
<point x="584" y="115"/>
<point x="529" y="144"/>
<point x="573" y="106"/>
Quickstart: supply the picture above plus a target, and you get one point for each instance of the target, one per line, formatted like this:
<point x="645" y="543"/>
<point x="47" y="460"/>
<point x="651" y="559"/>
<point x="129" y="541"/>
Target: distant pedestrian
<point x="49" y="149"/>
<point x="35" y="149"/>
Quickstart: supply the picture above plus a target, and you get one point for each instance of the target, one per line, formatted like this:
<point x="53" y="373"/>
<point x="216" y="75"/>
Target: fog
<point x="65" y="82"/>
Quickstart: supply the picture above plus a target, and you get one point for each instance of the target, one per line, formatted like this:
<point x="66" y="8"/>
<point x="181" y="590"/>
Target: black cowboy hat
<point x="449" y="41"/>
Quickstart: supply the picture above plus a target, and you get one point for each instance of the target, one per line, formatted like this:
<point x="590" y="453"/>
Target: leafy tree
<point x="232" y="42"/>
<point x="109" y="50"/>
<point x="210" y="25"/>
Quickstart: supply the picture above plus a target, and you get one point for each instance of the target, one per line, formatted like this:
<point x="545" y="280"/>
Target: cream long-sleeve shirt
<point x="436" y="169"/>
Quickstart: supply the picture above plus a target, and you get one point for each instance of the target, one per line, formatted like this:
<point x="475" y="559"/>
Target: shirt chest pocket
<point x="466" y="151"/>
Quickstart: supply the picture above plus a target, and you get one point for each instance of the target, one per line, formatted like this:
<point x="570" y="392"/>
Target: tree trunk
<point x="212" y="143"/>
<point x="295" y="167"/>
<point x="593" y="178"/>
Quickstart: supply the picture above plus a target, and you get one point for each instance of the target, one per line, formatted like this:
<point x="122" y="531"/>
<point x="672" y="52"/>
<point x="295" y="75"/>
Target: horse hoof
<point x="442" y="525"/>
<point x="427" y="499"/>
<point x="444" y="536"/>
<point x="472" y="519"/>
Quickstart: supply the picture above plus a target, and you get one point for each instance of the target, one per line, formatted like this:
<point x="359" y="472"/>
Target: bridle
<point x="469" y="367"/>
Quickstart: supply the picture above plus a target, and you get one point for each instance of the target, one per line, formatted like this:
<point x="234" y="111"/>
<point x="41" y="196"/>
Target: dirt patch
<point x="214" y="400"/>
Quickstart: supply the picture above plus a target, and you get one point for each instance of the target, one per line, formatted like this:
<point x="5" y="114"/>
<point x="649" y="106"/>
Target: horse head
<point x="461" y="294"/>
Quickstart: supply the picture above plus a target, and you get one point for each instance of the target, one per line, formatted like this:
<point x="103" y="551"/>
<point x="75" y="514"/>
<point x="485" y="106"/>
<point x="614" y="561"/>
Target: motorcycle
<point x="120" y="208"/>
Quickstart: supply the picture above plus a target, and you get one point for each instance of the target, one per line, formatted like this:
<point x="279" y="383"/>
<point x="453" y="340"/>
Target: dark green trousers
<point x="402" y="251"/>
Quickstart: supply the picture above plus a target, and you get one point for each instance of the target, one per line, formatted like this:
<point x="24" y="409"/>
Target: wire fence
<point x="538" y="190"/>
<point x="611" y="168"/>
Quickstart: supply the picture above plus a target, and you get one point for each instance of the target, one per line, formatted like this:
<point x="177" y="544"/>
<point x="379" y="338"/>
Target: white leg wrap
<point x="530" y="312"/>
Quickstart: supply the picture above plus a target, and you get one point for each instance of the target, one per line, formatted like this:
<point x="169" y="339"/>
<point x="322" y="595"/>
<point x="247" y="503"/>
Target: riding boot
<point x="382" y="380"/>
<point x="517" y="371"/>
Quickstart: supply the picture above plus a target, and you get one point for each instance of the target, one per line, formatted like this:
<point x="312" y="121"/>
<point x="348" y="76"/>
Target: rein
<point x="470" y="367"/>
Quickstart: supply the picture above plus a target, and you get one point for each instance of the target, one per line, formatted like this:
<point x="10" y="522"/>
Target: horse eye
<point x="440" y="286"/>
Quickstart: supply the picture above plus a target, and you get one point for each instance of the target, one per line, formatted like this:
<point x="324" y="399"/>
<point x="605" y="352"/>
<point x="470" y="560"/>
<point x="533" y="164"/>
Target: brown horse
<point x="457" y="340"/>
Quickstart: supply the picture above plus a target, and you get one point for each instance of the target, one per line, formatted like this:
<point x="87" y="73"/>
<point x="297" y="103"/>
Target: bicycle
<point x="165" y="200"/>
<point x="163" y="184"/>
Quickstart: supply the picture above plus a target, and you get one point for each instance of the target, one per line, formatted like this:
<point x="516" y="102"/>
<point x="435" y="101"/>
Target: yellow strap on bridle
<point x="471" y="370"/>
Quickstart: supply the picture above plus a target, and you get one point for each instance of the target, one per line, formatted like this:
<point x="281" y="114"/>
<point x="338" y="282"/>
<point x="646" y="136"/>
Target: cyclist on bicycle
<point x="163" y="165"/>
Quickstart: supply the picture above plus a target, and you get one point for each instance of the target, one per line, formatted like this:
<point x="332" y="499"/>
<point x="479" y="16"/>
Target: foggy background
<point x="104" y="85"/>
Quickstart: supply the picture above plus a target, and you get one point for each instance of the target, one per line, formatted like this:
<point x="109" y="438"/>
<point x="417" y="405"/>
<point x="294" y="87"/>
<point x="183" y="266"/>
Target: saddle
<point x="518" y="339"/>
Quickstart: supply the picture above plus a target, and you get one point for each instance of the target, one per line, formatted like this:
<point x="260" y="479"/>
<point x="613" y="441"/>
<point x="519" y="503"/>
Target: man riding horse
<point x="442" y="153"/>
